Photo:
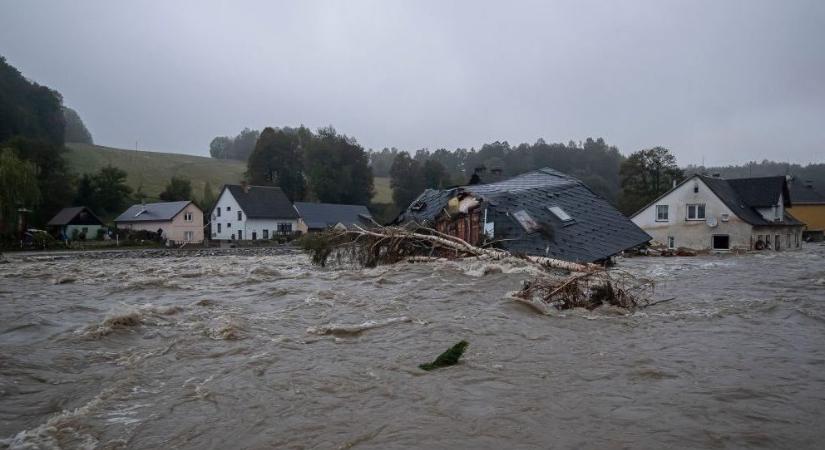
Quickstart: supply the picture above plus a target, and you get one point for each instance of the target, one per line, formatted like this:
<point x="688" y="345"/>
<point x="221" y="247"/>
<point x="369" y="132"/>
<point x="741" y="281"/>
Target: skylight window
<point x="560" y="213"/>
<point x="526" y="221"/>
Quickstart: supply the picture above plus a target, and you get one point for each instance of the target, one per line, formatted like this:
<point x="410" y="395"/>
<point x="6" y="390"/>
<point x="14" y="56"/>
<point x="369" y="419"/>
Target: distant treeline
<point x="810" y="172"/>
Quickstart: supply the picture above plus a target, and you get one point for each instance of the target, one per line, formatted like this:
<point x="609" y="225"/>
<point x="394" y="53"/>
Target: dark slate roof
<point x="66" y="215"/>
<point x="806" y="194"/>
<point x="596" y="232"/>
<point x="152" y="212"/>
<point x="736" y="194"/>
<point x="325" y="215"/>
<point x="263" y="202"/>
<point x="761" y="192"/>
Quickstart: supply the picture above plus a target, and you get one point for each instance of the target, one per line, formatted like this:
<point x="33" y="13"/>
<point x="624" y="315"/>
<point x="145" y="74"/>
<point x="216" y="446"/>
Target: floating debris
<point x="448" y="358"/>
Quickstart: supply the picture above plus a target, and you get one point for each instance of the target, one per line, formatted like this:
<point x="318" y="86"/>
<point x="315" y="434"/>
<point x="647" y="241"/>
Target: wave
<point x="354" y="329"/>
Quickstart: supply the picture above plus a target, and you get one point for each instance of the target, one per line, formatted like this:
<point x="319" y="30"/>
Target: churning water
<point x="270" y="352"/>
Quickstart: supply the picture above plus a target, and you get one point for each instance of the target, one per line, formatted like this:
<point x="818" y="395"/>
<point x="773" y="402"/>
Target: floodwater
<point x="270" y="352"/>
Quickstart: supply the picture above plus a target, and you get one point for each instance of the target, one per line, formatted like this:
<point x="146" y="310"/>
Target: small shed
<point x="77" y="221"/>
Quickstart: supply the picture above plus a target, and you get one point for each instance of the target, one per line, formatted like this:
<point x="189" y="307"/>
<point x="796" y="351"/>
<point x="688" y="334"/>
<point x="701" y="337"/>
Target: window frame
<point x="713" y="241"/>
<point x="667" y="213"/>
<point x="696" y="217"/>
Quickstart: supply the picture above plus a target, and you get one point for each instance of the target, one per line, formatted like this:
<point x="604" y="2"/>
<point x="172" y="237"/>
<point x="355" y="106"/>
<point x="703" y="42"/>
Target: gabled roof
<point x="761" y="192"/>
<point x="743" y="195"/>
<point x="66" y="215"/>
<point x="325" y="215"/>
<point x="152" y="212"/>
<point x="596" y="231"/>
<point x="806" y="193"/>
<point x="262" y="202"/>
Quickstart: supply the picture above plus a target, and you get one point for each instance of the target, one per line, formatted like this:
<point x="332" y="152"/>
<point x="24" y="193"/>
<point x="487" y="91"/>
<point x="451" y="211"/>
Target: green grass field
<point x="383" y="191"/>
<point x="152" y="170"/>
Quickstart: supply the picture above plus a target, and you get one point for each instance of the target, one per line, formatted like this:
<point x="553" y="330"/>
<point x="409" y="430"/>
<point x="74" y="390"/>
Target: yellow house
<point x="808" y="205"/>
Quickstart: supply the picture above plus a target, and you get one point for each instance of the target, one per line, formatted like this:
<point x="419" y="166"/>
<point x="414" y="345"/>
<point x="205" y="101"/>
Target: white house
<point x="245" y="212"/>
<point x="712" y="213"/>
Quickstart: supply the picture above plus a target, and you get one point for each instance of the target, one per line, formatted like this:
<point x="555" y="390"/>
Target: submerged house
<point x="245" y="212"/>
<point x="539" y="213"/>
<point x="78" y="220"/>
<point x="322" y="216"/>
<point x="712" y="213"/>
<point x="180" y="222"/>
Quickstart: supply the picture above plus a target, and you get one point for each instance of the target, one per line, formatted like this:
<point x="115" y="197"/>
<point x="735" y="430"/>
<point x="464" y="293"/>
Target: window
<point x="229" y="208"/>
<point x="254" y="235"/>
<point x="266" y="234"/>
<point x="219" y="227"/>
<point x="240" y="215"/>
<point x="187" y="217"/>
<point x="721" y="242"/>
<point x="725" y="217"/>
<point x="661" y="213"/>
<point x="219" y="211"/>
<point x="188" y="236"/>
<point x="776" y="241"/>
<point x="696" y="211"/>
<point x="695" y="187"/>
<point x="228" y="224"/>
<point x="240" y="235"/>
<point x="284" y="228"/>
<point x="560" y="213"/>
<point x="526" y="221"/>
<point x="671" y="242"/>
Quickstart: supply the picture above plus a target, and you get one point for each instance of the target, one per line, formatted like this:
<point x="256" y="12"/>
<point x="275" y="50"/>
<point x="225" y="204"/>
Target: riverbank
<point x="128" y="252"/>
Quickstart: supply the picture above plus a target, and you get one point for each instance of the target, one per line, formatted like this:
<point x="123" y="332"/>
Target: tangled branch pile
<point x="587" y="290"/>
<point x="586" y="286"/>
<point x="369" y="247"/>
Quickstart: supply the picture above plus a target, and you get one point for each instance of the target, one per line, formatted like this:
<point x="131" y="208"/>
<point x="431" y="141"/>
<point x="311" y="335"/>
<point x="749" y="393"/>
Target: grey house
<point x="78" y="219"/>
<point x="539" y="213"/>
<point x="321" y="216"/>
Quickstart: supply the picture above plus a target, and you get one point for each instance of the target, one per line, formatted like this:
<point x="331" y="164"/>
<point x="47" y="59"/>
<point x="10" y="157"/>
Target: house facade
<point x="244" y="212"/>
<point x="711" y="213"/>
<point x="76" y="221"/>
<point x="180" y="222"/>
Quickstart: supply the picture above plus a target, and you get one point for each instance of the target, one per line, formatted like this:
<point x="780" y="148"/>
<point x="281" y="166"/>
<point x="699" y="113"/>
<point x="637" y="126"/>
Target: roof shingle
<point x="263" y="202"/>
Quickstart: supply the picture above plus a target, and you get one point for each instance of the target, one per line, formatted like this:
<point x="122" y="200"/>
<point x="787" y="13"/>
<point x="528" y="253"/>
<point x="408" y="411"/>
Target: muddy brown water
<point x="270" y="352"/>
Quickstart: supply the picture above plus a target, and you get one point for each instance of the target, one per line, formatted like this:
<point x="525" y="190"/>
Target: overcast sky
<point x="729" y="81"/>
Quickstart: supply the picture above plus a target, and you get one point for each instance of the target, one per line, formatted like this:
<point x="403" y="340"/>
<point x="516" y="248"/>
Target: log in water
<point x="257" y="351"/>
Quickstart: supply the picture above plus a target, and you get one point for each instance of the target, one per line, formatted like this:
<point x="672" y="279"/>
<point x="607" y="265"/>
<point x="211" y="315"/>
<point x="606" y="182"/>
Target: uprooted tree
<point x="561" y="285"/>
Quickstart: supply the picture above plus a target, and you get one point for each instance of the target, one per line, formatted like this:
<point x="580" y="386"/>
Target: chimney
<point x="245" y="186"/>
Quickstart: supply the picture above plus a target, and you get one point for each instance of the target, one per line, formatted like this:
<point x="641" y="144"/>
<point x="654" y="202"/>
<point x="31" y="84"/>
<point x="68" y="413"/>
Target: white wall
<point x="774" y="213"/>
<point x="230" y="223"/>
<point x="691" y="234"/>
